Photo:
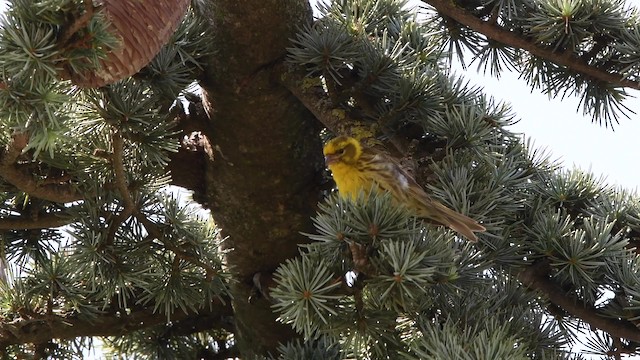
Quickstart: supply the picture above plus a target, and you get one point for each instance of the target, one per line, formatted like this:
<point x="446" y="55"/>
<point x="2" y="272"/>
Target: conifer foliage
<point x="98" y="254"/>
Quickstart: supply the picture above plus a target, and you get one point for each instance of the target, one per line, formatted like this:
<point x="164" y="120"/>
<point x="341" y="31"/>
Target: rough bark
<point x="262" y="183"/>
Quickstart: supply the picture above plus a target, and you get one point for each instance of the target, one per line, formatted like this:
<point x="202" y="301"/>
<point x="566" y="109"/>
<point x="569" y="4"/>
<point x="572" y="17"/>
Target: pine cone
<point x="143" y="26"/>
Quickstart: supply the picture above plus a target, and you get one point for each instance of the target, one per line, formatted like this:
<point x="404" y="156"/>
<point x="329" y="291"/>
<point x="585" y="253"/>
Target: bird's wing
<point x="394" y="178"/>
<point x="408" y="192"/>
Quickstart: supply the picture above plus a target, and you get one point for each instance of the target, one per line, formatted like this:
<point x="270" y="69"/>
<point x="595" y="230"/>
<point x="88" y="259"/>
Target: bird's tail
<point x="463" y="224"/>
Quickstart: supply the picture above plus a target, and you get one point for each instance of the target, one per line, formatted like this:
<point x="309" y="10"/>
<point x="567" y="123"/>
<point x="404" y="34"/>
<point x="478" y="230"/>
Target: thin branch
<point x="63" y="192"/>
<point x="536" y="277"/>
<point x="120" y="174"/>
<point x="131" y="209"/>
<point x="117" y="161"/>
<point x="154" y="231"/>
<point x="497" y="33"/>
<point x="51" y="220"/>
<point x="47" y="327"/>
<point x="361" y="259"/>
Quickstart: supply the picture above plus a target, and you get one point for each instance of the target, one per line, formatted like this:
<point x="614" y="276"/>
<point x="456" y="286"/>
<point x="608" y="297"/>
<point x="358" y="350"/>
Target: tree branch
<point x="24" y="181"/>
<point x="312" y="95"/>
<point x="51" y="220"/>
<point x="130" y="208"/>
<point x="497" y="33"/>
<point x="45" y="328"/>
<point x="536" y="277"/>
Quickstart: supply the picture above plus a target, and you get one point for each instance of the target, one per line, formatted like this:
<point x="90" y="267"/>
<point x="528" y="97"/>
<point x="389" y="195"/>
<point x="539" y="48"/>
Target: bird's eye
<point x="340" y="152"/>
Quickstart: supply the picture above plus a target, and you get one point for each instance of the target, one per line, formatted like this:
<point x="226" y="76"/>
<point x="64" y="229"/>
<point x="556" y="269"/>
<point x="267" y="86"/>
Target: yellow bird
<point x="355" y="168"/>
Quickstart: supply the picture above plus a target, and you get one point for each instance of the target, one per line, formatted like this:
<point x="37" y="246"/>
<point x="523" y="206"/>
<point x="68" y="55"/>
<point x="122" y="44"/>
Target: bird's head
<point x="342" y="149"/>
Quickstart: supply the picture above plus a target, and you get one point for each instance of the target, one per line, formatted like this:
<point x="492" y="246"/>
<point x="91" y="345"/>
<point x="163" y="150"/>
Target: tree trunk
<point x="262" y="184"/>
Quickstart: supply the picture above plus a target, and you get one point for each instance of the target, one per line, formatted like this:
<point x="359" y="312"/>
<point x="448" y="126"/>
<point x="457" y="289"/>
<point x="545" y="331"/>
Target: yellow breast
<point x="350" y="180"/>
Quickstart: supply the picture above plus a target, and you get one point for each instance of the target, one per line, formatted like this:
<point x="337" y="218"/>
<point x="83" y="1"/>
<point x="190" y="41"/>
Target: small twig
<point x="24" y="181"/>
<point x="78" y="23"/>
<point x="121" y="175"/>
<point x="617" y="349"/>
<point x="50" y="220"/>
<point x="130" y="209"/>
<point x="360" y="258"/>
<point x="536" y="277"/>
<point x="359" y="301"/>
<point x="117" y="161"/>
<point x="154" y="231"/>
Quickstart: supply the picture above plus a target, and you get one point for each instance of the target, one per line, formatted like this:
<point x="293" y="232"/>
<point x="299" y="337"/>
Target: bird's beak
<point x="330" y="159"/>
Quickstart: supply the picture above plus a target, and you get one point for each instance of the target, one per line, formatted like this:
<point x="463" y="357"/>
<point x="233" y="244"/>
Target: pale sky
<point x="559" y="126"/>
